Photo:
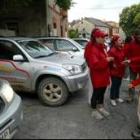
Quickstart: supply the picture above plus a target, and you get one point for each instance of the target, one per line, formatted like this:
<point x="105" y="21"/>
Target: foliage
<point x="72" y="33"/>
<point x="8" y="6"/>
<point x="64" y="4"/>
<point x="130" y="19"/>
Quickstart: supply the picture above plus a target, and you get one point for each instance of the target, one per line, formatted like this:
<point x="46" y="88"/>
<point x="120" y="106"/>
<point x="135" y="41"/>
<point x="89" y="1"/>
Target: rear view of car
<point x="10" y="111"/>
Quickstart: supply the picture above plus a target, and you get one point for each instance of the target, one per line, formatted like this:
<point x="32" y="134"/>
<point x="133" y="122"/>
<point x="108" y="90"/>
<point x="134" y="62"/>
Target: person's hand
<point x="130" y="86"/>
<point x="110" y="59"/>
<point x="126" y="62"/>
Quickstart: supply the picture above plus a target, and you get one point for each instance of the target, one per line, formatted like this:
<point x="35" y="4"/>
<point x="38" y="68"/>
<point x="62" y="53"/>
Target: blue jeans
<point x="115" y="88"/>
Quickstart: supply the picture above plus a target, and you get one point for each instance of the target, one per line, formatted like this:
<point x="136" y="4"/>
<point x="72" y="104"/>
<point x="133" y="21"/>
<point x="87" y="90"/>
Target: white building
<point x="85" y="26"/>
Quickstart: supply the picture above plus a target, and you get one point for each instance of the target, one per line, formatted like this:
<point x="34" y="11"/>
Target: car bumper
<point x="11" y="119"/>
<point x="77" y="82"/>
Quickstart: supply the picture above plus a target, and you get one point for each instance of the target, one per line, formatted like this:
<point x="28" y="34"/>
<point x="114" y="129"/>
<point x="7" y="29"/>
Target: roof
<point x="97" y="22"/>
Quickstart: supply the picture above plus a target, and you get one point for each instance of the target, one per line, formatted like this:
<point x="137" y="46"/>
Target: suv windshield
<point x="34" y="48"/>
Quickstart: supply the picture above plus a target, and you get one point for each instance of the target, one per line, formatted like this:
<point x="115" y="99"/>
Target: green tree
<point x="64" y="4"/>
<point x="8" y="6"/>
<point x="72" y="33"/>
<point x="130" y="19"/>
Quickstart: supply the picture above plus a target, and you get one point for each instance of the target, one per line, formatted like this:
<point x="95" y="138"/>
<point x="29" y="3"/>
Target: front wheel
<point x="52" y="92"/>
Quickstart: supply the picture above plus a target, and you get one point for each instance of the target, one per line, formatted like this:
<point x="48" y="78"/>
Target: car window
<point x="8" y="50"/>
<point x="82" y="42"/>
<point x="64" y="45"/>
<point x="48" y="43"/>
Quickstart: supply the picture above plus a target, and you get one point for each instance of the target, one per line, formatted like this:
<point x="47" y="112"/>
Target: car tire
<point x="52" y="92"/>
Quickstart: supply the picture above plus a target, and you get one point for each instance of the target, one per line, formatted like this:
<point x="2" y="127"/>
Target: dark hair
<point x="128" y="39"/>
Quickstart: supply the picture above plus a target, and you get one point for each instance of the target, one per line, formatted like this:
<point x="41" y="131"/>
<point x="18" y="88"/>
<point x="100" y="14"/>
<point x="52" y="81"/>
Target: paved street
<point x="73" y="120"/>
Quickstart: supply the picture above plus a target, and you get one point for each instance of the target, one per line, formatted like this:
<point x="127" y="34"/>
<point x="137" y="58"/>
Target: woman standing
<point x="117" y="70"/>
<point x="98" y="62"/>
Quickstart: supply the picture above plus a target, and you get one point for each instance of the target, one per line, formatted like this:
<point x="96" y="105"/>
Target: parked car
<point x="11" y="114"/>
<point x="81" y="41"/>
<point x="64" y="45"/>
<point x="31" y="67"/>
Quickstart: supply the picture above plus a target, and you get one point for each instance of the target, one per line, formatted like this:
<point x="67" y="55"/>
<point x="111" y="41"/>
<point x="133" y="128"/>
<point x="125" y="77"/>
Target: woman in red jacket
<point x="116" y="69"/>
<point x="99" y="71"/>
<point x="134" y="83"/>
<point x="131" y="51"/>
<point x="89" y="44"/>
<point x="133" y="61"/>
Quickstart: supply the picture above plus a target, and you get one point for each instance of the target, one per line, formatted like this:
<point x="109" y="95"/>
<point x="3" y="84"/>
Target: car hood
<point x="63" y="59"/>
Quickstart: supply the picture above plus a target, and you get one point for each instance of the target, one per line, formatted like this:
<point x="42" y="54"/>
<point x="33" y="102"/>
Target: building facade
<point x="47" y="20"/>
<point x="85" y="26"/>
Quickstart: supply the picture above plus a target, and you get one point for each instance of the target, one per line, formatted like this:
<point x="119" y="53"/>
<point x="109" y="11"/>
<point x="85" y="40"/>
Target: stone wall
<point x="7" y="33"/>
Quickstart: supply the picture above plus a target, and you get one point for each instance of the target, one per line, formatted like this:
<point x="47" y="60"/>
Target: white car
<point x="64" y="45"/>
<point x="11" y="114"/>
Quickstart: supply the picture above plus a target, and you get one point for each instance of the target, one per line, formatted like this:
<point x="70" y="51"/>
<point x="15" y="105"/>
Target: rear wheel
<point x="52" y="92"/>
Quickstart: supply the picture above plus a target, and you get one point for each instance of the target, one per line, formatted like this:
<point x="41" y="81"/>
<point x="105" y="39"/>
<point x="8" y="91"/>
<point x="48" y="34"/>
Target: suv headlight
<point x="73" y="69"/>
<point x="7" y="92"/>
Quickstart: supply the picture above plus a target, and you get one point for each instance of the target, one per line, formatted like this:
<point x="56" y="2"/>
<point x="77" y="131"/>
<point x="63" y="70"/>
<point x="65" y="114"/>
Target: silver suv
<point x="31" y="67"/>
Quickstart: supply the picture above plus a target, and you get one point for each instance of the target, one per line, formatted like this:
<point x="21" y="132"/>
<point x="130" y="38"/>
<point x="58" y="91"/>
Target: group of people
<point x="105" y="65"/>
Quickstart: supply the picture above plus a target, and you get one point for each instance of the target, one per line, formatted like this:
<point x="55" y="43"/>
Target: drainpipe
<point x="47" y="17"/>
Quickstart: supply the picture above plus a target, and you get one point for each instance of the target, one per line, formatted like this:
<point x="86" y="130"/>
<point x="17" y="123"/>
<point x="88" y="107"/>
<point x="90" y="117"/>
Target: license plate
<point x="5" y="135"/>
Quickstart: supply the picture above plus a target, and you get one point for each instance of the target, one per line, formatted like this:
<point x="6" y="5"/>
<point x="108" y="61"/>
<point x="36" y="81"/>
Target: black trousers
<point x="98" y="97"/>
<point x="115" y="88"/>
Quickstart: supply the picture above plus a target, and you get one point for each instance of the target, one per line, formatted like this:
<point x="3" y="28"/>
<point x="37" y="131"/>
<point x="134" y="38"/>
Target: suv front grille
<point x="2" y="105"/>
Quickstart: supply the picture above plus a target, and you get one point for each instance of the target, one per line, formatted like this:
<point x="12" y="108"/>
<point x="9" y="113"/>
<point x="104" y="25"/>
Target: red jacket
<point x="131" y="51"/>
<point x="136" y="60"/>
<point x="87" y="50"/>
<point x="117" y="69"/>
<point x="99" y="69"/>
<point x="136" y="82"/>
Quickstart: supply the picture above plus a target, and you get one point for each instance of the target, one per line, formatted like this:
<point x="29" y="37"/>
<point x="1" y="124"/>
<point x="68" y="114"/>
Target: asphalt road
<point x="73" y="120"/>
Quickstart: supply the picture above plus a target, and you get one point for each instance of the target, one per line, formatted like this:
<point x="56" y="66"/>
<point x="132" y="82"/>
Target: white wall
<point x="88" y="27"/>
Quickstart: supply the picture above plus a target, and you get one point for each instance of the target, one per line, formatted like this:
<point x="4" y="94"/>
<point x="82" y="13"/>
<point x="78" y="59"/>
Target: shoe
<point x="104" y="112"/>
<point x="138" y="126"/>
<point x="129" y="100"/>
<point x="136" y="134"/>
<point x="113" y="102"/>
<point x="120" y="100"/>
<point x="97" y="115"/>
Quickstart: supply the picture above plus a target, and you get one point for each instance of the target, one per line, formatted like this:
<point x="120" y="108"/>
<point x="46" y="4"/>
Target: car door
<point x="17" y="73"/>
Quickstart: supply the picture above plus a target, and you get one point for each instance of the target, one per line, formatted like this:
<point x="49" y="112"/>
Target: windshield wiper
<point x="40" y="56"/>
<point x="52" y="53"/>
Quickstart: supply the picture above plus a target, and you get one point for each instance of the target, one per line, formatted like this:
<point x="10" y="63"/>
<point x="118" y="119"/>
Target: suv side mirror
<point x="74" y="49"/>
<point x="18" y="58"/>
